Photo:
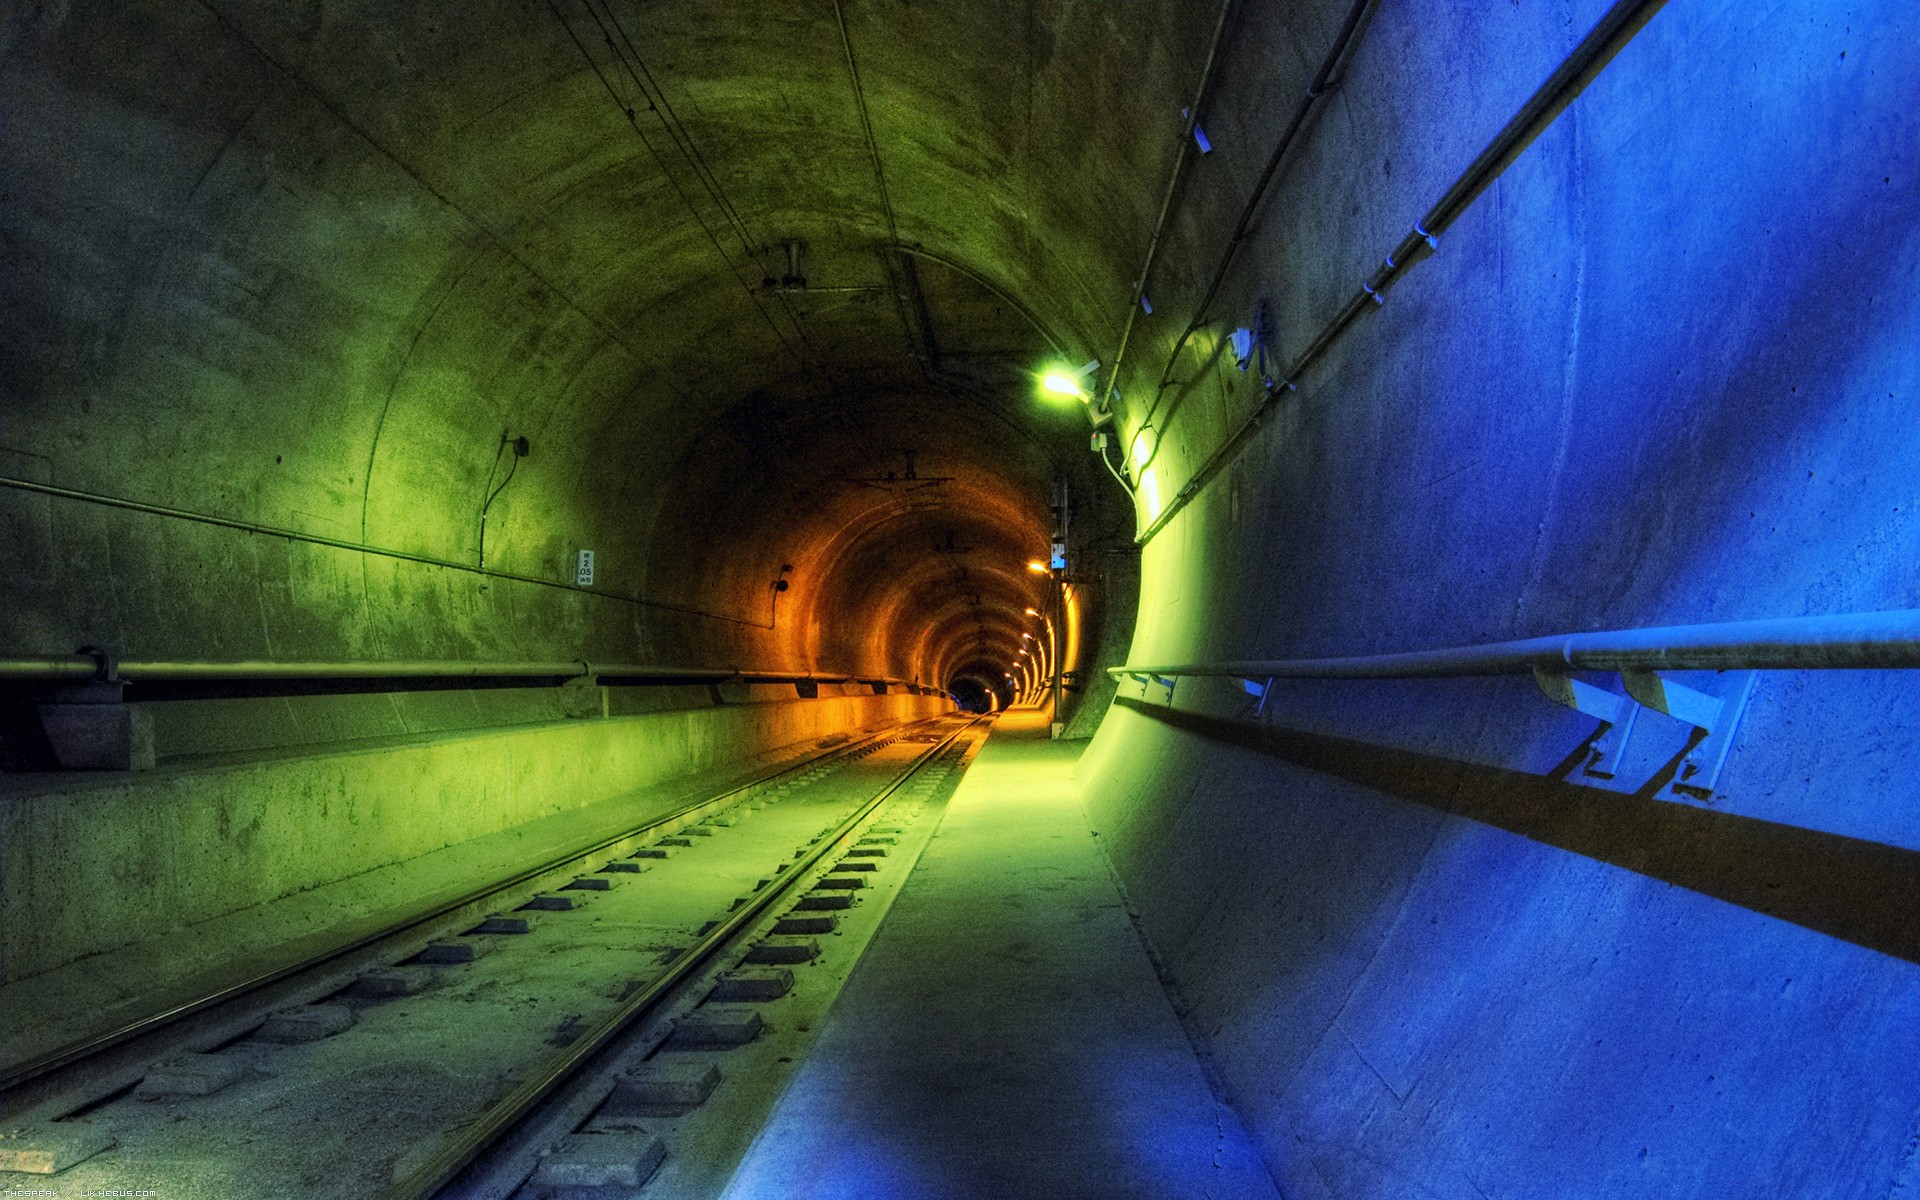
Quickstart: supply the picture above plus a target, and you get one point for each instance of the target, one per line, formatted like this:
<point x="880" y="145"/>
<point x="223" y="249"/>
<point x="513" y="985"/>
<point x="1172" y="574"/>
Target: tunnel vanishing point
<point x="1443" y="475"/>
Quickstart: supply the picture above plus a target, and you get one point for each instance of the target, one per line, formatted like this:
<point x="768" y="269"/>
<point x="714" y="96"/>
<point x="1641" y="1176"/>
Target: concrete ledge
<point x="713" y="1026"/>
<point x="92" y="863"/>
<point x="753" y="985"/>
<point x="806" y="923"/>
<point x="309" y="1024"/>
<point x="601" y="1161"/>
<point x="395" y="981"/>
<point x="143" y="892"/>
<point x="548" y="902"/>
<point x="784" y="950"/>
<point x="496" y="924"/>
<point x="817" y="901"/>
<point x="451" y="953"/>
<point x="660" y="1084"/>
<point x="190" y="1075"/>
<point x="50" y="1149"/>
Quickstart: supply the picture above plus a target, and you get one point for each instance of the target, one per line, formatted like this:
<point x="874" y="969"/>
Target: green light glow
<point x="1060" y="384"/>
<point x="1150" y="493"/>
<point x="1142" y="448"/>
<point x="1061" y="379"/>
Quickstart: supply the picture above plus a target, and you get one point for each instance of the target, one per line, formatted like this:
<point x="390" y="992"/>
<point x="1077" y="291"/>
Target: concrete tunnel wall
<point x="312" y="271"/>
<point x="306" y="269"/>
<point x="90" y="865"/>
<point x="288" y="285"/>
<point x="1664" y="372"/>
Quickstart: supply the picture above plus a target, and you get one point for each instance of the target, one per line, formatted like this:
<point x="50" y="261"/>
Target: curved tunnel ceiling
<point x="725" y="267"/>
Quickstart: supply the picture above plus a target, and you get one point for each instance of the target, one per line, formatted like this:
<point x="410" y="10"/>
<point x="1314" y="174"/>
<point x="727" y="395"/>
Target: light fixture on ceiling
<point x="1061" y="380"/>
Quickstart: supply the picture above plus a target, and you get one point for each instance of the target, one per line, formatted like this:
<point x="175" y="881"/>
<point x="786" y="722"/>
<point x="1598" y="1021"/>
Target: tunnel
<point x="1364" y="555"/>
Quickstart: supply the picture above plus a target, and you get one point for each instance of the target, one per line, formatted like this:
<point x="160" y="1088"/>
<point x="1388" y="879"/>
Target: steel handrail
<point x="82" y="668"/>
<point x="1607" y="38"/>
<point x="1889" y="640"/>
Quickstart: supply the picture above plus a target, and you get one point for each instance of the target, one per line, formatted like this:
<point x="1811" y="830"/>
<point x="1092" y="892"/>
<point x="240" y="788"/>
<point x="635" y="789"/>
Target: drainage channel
<point x="396" y="1080"/>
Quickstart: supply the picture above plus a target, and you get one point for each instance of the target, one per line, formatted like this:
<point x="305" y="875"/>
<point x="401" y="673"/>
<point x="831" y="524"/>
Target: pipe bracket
<point x="1678" y="701"/>
<point x="1700" y="771"/>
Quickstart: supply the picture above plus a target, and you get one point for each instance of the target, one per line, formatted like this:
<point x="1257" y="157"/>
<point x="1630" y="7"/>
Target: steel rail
<point x="1850" y="641"/>
<point x="81" y="668"/>
<point x="472" y="1139"/>
<point x="29" y="1069"/>
<point x="1606" y="39"/>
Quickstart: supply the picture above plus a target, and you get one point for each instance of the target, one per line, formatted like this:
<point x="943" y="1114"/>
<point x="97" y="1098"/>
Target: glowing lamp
<point x="1038" y="568"/>
<point x="1062" y="380"/>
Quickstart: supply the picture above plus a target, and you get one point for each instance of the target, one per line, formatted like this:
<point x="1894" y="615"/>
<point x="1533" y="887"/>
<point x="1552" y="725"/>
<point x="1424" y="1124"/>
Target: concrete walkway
<point x="1005" y="1035"/>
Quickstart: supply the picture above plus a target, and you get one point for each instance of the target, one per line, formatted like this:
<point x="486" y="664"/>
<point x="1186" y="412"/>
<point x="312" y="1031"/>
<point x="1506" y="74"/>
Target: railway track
<point x="565" y="1035"/>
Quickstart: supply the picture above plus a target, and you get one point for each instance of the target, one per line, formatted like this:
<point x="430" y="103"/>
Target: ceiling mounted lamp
<point x="1065" y="382"/>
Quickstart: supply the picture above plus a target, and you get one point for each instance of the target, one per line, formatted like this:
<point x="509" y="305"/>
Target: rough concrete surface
<point x="272" y="1117"/>
<point x="766" y="290"/>
<point x="1005" y="1034"/>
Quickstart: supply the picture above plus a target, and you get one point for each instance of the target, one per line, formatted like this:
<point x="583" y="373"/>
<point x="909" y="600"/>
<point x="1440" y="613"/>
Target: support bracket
<point x="1700" y="770"/>
<point x="1717" y="719"/>
<point x="91" y="726"/>
<point x="1678" y="701"/>
<point x="1617" y="713"/>
<point x="1582" y="697"/>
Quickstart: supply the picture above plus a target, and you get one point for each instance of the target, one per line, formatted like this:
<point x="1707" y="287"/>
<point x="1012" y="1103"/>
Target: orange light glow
<point x="1038" y="568"/>
<point x="1070" y="659"/>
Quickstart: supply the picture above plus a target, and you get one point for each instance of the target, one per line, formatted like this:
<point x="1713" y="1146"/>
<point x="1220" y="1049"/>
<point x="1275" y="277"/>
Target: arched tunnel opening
<point x="988" y="599"/>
